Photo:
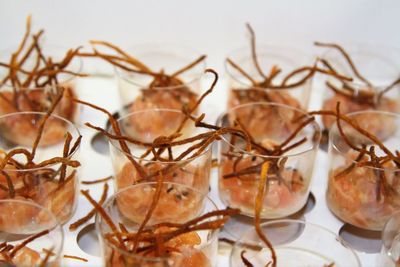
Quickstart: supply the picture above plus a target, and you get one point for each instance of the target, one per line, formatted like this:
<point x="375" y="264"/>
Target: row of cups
<point x="352" y="199"/>
<point x="379" y="63"/>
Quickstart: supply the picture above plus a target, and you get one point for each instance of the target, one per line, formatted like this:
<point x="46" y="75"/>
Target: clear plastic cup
<point x="377" y="63"/>
<point x="353" y="194"/>
<point x="296" y="243"/>
<point x="390" y="253"/>
<point x="145" y="127"/>
<point x="52" y="185"/>
<point x="177" y="204"/>
<point x="22" y="220"/>
<point x="288" y="187"/>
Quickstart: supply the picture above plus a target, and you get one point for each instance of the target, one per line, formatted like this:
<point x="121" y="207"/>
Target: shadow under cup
<point x="290" y="173"/>
<point x="22" y="220"/>
<point x="177" y="204"/>
<point x="48" y="183"/>
<point x="148" y="125"/>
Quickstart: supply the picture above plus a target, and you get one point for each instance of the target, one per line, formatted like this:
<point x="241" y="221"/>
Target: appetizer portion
<point x="364" y="177"/>
<point x="288" y="80"/>
<point x="374" y="91"/>
<point x="288" y="146"/>
<point x="287" y="190"/>
<point x="38" y="161"/>
<point x="30" y="235"/>
<point x="181" y="154"/>
<point x="174" y="99"/>
<point x="23" y="128"/>
<point x="31" y="77"/>
<point x="39" y="100"/>
<point x="171" y="225"/>
<point x="141" y="87"/>
<point x="194" y="172"/>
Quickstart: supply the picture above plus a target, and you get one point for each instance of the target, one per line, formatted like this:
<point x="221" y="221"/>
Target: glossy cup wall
<point x="286" y="58"/>
<point x="40" y="100"/>
<point x="296" y="243"/>
<point x="355" y="196"/>
<point x="40" y="184"/>
<point x="177" y="204"/>
<point x="20" y="220"/>
<point x="134" y="87"/>
<point x="379" y="64"/>
<point x="390" y="253"/>
<point x="269" y="124"/>
<point x="145" y="126"/>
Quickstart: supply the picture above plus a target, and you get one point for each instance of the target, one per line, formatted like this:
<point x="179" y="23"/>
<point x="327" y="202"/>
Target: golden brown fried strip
<point x="79" y="222"/>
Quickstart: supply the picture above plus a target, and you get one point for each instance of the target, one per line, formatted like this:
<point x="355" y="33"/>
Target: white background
<point x="211" y="27"/>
